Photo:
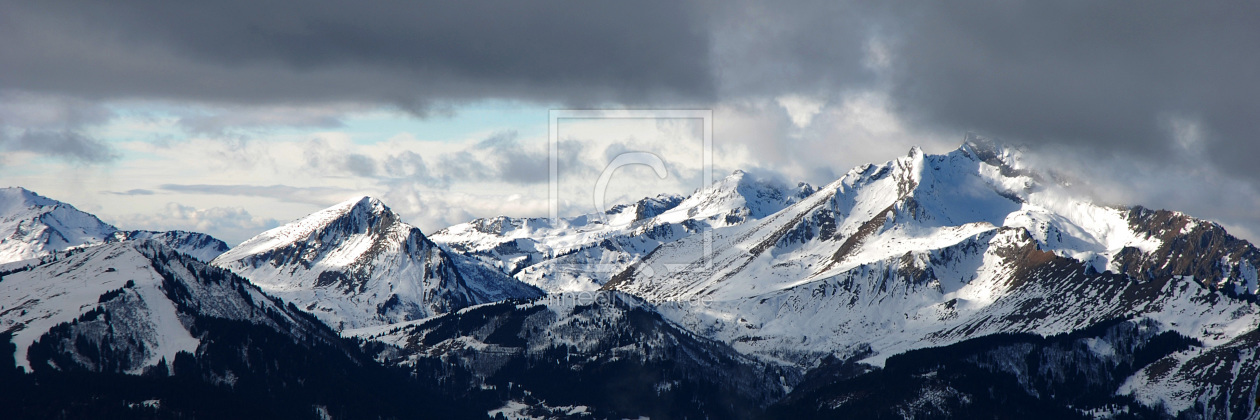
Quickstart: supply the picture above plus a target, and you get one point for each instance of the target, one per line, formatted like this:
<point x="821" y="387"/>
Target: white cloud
<point x="230" y="224"/>
<point x="1192" y="186"/>
<point x="1186" y="133"/>
<point x="801" y="109"/>
<point x="857" y="128"/>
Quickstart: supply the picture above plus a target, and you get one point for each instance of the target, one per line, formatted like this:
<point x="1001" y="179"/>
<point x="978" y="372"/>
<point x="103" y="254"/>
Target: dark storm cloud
<point x="405" y="52"/>
<point x="813" y="47"/>
<point x="1118" y="76"/>
<point x="1121" y="75"/>
<point x="1159" y="80"/>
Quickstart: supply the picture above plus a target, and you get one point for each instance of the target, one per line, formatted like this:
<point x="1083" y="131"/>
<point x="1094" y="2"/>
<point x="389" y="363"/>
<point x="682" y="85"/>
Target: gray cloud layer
<point x="1117" y="74"/>
<point x="66" y="144"/>
<point x="405" y="52"/>
<point x="311" y="195"/>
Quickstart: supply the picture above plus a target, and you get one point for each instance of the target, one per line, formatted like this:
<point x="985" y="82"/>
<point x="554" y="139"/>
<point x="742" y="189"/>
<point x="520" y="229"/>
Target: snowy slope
<point x="135" y="301"/>
<point x="927" y="250"/>
<point x="356" y="264"/>
<point x="32" y="226"/>
<point x="582" y="253"/>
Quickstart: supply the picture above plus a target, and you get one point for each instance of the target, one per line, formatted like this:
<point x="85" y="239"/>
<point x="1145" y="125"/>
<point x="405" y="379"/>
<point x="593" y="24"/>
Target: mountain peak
<point x="743" y="194"/>
<point x="32" y="225"/>
<point x="14" y="199"/>
<point x="915" y="151"/>
<point x="363" y="203"/>
<point x="363" y="211"/>
<point x="356" y="216"/>
<point x="741" y="179"/>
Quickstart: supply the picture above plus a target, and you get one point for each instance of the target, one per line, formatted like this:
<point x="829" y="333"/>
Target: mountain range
<point x="965" y="284"/>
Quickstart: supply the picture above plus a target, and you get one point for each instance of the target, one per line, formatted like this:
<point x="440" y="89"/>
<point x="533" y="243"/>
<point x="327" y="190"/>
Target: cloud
<point x="850" y="130"/>
<point x="432" y="211"/>
<point x="509" y="160"/>
<point x="407" y="53"/>
<point x="1086" y="74"/>
<point x="225" y="120"/>
<point x="1096" y="75"/>
<point x="136" y="191"/>
<point x="54" y="126"/>
<point x="360" y="165"/>
<point x="409" y="165"/>
<point x="230" y="224"/>
<point x="800" y="109"/>
<point x="1127" y="179"/>
<point x="47" y="111"/>
<point x="1083" y="73"/>
<point x="817" y="48"/>
<point x="64" y="144"/>
<point x="500" y="157"/>
<point x="286" y="193"/>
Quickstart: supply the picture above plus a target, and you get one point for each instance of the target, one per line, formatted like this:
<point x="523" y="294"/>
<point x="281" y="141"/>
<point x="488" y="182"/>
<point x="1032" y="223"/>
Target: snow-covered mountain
<point x="582" y="253"/>
<point x="929" y="250"/>
<point x="355" y="264"/>
<point x="34" y="226"/>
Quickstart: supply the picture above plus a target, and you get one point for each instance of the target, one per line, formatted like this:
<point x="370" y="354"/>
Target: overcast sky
<point x="230" y="117"/>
